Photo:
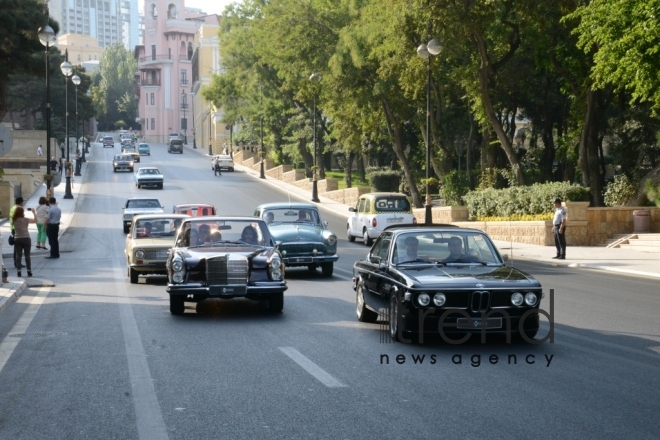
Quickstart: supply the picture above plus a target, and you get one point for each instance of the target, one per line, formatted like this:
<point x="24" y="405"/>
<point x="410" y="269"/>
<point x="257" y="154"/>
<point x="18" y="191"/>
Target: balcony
<point x="184" y="82"/>
<point x="154" y="58"/>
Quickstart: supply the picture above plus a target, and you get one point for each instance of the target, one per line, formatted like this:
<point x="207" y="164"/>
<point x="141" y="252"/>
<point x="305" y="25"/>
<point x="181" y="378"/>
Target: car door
<point x="378" y="279"/>
<point x="354" y="220"/>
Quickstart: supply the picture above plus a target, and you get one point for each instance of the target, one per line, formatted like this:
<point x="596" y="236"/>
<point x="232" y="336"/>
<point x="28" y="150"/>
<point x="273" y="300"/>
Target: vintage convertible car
<point x="440" y="280"/>
<point x="224" y="258"/>
<point x="148" y="242"/>
<point x="304" y="239"/>
<point x="139" y="205"/>
<point x="148" y="176"/>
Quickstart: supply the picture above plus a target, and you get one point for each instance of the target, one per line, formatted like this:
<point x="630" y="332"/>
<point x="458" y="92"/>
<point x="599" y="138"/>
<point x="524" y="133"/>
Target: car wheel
<point x="365" y="236"/>
<point x="133" y="275"/>
<point x="138" y="185"/>
<point x="348" y="234"/>
<point x="160" y="186"/>
<point x="312" y="267"/>
<point x="393" y="317"/>
<point x="131" y="170"/>
<point x="126" y="229"/>
<point x="363" y="313"/>
<point x="276" y="303"/>
<point x="326" y="268"/>
<point x="115" y="170"/>
<point x="176" y="306"/>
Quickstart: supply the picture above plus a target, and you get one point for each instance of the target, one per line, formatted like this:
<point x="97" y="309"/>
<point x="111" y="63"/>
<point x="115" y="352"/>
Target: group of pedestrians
<point x="47" y="218"/>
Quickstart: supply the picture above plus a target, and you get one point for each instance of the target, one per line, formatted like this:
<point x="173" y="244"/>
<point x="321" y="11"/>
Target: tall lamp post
<point x="47" y="38"/>
<point x="75" y="79"/>
<point x="210" y="141"/>
<point x="67" y="70"/>
<point x="192" y="96"/>
<point x="425" y="51"/>
<point x="184" y="123"/>
<point x="262" y="175"/>
<point x="315" y="188"/>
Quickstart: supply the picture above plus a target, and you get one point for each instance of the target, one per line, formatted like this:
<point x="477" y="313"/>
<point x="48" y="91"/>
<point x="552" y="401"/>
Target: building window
<point x="152" y="99"/>
<point x="153" y="52"/>
<point x="169" y="54"/>
<point x="146" y="99"/>
<point x="153" y="124"/>
<point x="184" y="76"/>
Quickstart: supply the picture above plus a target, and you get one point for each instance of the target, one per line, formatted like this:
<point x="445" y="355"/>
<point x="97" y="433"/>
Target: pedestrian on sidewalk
<point x="52" y="223"/>
<point x="22" y="241"/>
<point x="40" y="151"/>
<point x="53" y="164"/>
<point x="19" y="204"/>
<point x="559" y="230"/>
<point x="41" y="212"/>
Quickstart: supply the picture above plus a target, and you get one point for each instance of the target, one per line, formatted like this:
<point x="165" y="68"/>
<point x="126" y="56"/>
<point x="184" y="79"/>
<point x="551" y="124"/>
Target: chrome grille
<point x="155" y="254"/>
<point x="480" y="301"/>
<point x="222" y="271"/>
<point x="302" y="248"/>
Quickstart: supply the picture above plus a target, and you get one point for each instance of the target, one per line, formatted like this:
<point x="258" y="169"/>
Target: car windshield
<point x="291" y="215"/>
<point x="450" y="248"/>
<point x="148" y="171"/>
<point x="154" y="203"/>
<point x="392" y="204"/>
<point x="223" y="232"/>
<point x="155" y="228"/>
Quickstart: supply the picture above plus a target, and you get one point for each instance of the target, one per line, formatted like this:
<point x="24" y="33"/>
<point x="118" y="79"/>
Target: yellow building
<point x="82" y="48"/>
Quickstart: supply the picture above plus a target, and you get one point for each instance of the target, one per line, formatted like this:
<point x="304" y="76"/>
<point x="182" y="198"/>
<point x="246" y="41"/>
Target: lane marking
<point x="319" y="373"/>
<point x="8" y="345"/>
<point x="591" y="341"/>
<point x="350" y="272"/>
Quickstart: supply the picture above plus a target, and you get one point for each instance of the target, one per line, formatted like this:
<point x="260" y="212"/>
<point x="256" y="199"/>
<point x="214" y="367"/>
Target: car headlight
<point x="177" y="269"/>
<point x="439" y="299"/>
<point x="531" y="299"/>
<point x="332" y="240"/>
<point x="131" y="163"/>
<point x="177" y="265"/>
<point x="139" y="254"/>
<point x="517" y="299"/>
<point x="128" y="216"/>
<point x="177" y="277"/>
<point x="423" y="299"/>
<point x="275" y="269"/>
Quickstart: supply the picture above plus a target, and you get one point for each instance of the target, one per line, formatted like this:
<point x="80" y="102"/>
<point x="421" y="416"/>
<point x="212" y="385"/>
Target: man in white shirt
<point x="559" y="230"/>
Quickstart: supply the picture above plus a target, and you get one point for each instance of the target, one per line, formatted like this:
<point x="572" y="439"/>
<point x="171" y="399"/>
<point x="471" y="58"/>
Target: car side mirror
<point x="325" y="225"/>
<point x="351" y="209"/>
<point x="505" y="257"/>
<point x="382" y="266"/>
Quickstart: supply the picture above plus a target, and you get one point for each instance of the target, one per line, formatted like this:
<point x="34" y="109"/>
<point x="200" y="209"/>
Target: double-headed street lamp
<point x="47" y="38"/>
<point x="192" y="96"/>
<point x="67" y="70"/>
<point x="315" y="188"/>
<point x="425" y="51"/>
<point x="75" y="79"/>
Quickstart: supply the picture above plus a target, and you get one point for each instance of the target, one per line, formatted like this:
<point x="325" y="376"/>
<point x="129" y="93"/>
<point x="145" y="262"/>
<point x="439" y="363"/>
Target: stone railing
<point x="348" y="196"/>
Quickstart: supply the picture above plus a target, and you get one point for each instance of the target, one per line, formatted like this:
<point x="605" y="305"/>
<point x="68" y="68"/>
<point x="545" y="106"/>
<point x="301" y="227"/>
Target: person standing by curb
<point x="52" y="223"/>
<point x="41" y="212"/>
<point x="23" y="242"/>
<point x="12" y="210"/>
<point x="559" y="230"/>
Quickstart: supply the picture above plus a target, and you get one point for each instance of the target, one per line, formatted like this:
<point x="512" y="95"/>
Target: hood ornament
<point x="480" y="285"/>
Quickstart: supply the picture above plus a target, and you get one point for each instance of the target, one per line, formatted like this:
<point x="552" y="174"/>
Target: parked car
<point x="108" y="141"/>
<point x="144" y="149"/>
<point x="376" y="211"/>
<point x="129" y="149"/>
<point x="149" y="176"/>
<point x="150" y="238"/>
<point x="305" y="240"/>
<point x="212" y="259"/>
<point x="122" y="162"/>
<point x="139" y="205"/>
<point x="194" y="209"/>
<point x="225" y="162"/>
<point x="175" y="146"/>
<point x="175" y="136"/>
<point x="440" y="278"/>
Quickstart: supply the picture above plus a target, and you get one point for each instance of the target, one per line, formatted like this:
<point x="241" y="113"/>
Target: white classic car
<point x="148" y="176"/>
<point x="225" y="162"/>
<point x="139" y="205"/>
<point x="147" y="244"/>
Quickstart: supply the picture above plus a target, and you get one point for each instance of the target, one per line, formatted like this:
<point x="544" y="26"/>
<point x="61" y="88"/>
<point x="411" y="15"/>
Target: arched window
<point x="171" y="11"/>
<point x="154" y="11"/>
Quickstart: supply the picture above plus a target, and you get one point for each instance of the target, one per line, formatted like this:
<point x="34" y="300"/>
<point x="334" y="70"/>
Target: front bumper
<point x="195" y="292"/>
<point x="149" y="183"/>
<point x="415" y="321"/>
<point x="304" y="260"/>
<point x="157" y="267"/>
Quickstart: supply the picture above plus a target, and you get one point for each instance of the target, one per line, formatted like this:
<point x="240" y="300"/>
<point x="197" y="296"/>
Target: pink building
<point x="164" y="78"/>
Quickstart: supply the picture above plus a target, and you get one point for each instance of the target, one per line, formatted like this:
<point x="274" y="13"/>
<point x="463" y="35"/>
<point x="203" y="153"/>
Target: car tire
<point x="365" y="236"/>
<point x="312" y="267"/>
<point x="133" y="275"/>
<point x="361" y="310"/>
<point x="176" y="306"/>
<point x="131" y="170"/>
<point x="327" y="269"/>
<point x="160" y="186"/>
<point x="138" y="185"/>
<point x="276" y="303"/>
<point x="393" y="317"/>
<point x="115" y="170"/>
<point x="348" y="234"/>
<point x="126" y="229"/>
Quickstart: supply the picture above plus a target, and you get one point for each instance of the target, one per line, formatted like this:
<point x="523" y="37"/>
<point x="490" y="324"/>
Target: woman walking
<point x="22" y="241"/>
<point x="41" y="212"/>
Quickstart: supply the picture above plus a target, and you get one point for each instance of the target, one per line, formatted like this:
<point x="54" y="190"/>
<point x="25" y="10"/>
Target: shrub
<point x="453" y="187"/>
<point x="619" y="191"/>
<point x="652" y="192"/>
<point x="385" y="181"/>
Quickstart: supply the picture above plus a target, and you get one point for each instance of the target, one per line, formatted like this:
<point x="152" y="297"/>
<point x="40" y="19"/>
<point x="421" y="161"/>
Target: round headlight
<point x="517" y="299"/>
<point x="439" y="299"/>
<point x="332" y="240"/>
<point x="177" y="277"/>
<point x="275" y="268"/>
<point x="530" y="299"/>
<point x="177" y="265"/>
<point x="139" y="254"/>
<point x="423" y="299"/>
<point x="314" y="252"/>
<point x="284" y="253"/>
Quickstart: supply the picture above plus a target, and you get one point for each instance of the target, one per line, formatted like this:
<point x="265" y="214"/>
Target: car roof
<point x="384" y="194"/>
<point x="429" y="228"/>
<point x="292" y="205"/>
<point x="211" y="218"/>
<point x="148" y="168"/>
<point x="191" y="205"/>
<point x="165" y="215"/>
<point x="142" y="198"/>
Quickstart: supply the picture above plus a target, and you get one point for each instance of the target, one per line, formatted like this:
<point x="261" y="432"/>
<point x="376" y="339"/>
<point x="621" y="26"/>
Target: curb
<point x="6" y="300"/>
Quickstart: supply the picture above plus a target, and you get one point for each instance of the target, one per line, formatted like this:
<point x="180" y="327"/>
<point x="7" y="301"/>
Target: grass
<point x="339" y="175"/>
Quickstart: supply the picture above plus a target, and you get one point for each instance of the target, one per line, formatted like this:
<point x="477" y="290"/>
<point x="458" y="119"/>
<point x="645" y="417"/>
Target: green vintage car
<point x="304" y="239"/>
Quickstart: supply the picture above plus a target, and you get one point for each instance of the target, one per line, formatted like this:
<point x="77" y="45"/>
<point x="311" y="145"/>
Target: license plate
<point x="301" y="260"/>
<point x="394" y="220"/>
<point x="476" y="323"/>
<point x="227" y="290"/>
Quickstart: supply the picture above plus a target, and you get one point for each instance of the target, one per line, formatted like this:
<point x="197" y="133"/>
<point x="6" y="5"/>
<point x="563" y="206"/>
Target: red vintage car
<point x="194" y="209"/>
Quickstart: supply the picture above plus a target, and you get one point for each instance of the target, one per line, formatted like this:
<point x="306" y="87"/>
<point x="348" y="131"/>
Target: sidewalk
<point x="590" y="257"/>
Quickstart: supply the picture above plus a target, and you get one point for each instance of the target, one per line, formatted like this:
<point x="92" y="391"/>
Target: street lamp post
<point x="315" y="188"/>
<point x="67" y="70"/>
<point x="210" y="141"/>
<point x="425" y="51"/>
<point x="184" y="104"/>
<point x="262" y="175"/>
<point x="192" y="96"/>
<point x="47" y="38"/>
<point x="75" y="79"/>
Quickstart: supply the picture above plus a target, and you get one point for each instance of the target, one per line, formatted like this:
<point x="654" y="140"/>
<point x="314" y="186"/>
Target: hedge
<point x="385" y="181"/>
<point x="522" y="200"/>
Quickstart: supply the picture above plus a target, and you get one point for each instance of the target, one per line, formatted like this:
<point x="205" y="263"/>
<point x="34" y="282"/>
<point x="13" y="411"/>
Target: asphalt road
<point x="87" y="355"/>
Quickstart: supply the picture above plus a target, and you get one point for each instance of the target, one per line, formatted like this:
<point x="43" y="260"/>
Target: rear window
<point x="392" y="204"/>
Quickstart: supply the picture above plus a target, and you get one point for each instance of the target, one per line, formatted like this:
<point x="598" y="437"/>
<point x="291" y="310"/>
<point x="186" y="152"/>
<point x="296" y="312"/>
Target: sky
<point x="210" y="6"/>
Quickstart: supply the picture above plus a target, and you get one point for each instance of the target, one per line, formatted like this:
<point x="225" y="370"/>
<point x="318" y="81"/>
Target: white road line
<point x="149" y="418"/>
<point x="8" y="345"/>
<point x="319" y="373"/>
<point x="350" y="272"/>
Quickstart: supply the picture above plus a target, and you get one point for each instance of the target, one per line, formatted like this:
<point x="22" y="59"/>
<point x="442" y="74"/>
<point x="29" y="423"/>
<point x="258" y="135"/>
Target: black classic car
<point x="305" y="240"/>
<point x="443" y="280"/>
<point x="224" y="257"/>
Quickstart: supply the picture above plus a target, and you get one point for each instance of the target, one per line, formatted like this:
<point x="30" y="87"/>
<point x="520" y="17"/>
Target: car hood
<point x="143" y="210"/>
<point x="148" y="176"/>
<point x="304" y="232"/>
<point x="153" y="243"/>
<point x="490" y="276"/>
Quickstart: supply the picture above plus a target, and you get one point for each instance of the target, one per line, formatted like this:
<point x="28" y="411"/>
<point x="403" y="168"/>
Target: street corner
<point x="10" y="291"/>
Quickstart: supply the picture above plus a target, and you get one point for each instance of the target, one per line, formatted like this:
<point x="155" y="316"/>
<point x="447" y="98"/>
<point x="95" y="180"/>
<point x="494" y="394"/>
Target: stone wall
<point x="348" y="196"/>
<point x="603" y="223"/>
<point x="278" y="172"/>
<point x="443" y="214"/>
<point x="534" y="232"/>
<point x="293" y="176"/>
<point x="6" y="197"/>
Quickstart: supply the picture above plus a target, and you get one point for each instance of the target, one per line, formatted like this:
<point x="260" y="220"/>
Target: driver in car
<point x="410" y="244"/>
<point x="455" y="249"/>
<point x="249" y="235"/>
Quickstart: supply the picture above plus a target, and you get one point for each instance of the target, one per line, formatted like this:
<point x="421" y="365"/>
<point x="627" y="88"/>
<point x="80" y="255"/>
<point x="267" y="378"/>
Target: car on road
<point x="225" y="162"/>
<point x="175" y="146"/>
<point x="139" y="205"/>
<point x="175" y="136"/>
<point x="304" y="239"/>
<point x="213" y="258"/>
<point x="108" y="141"/>
<point x="148" y="176"/>
<point x="129" y="149"/>
<point x="376" y="211"/>
<point x="194" y="209"/>
<point x="144" y="149"/>
<point x="150" y="238"/>
<point x="443" y="280"/>
<point x="123" y="162"/>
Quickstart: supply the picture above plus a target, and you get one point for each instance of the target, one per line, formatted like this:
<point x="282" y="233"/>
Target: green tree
<point x="114" y="96"/>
